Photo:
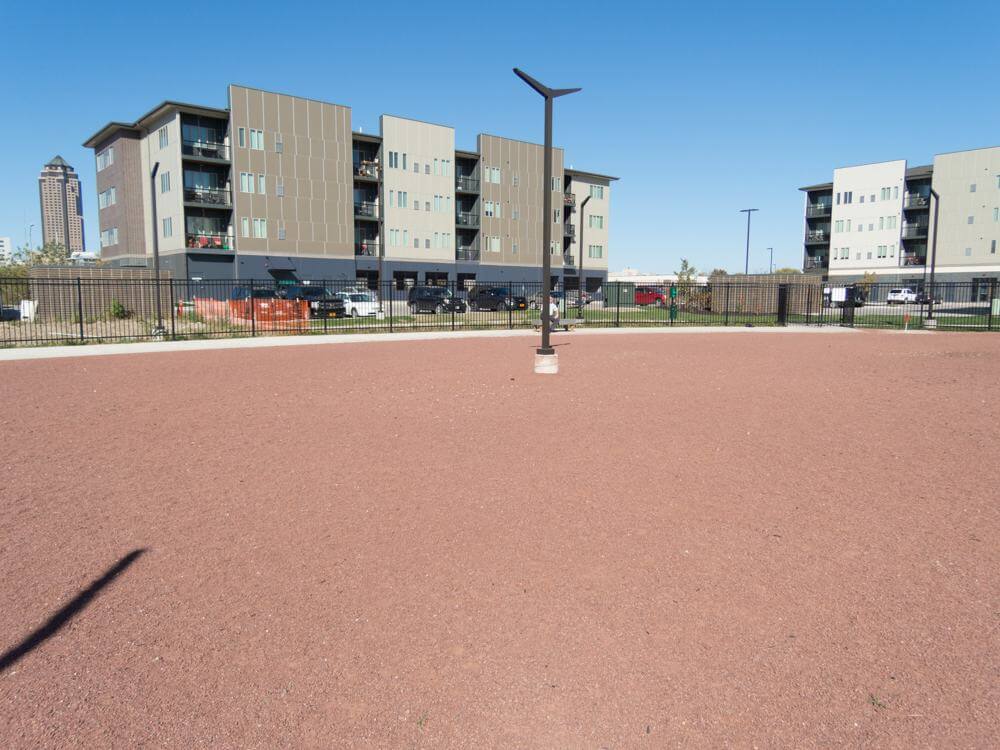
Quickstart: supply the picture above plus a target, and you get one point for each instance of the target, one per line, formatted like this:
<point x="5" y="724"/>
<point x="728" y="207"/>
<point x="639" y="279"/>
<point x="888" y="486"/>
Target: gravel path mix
<point x="697" y="541"/>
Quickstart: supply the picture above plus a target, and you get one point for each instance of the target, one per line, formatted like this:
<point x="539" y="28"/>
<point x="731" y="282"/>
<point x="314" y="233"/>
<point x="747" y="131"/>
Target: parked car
<point x="652" y="295"/>
<point x="322" y="304"/>
<point x="923" y="298"/>
<point x="901" y="296"/>
<point x="495" y="298"/>
<point x="10" y="313"/>
<point x="359" y="303"/>
<point x="434" y="299"/>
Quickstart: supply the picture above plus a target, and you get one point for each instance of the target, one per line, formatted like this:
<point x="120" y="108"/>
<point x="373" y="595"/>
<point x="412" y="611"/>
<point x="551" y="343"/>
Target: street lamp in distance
<point x="747" y="211"/>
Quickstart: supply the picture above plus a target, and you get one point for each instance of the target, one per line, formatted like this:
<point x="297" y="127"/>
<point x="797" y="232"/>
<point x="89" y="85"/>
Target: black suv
<point x="495" y="298"/>
<point x="434" y="299"/>
<point x="322" y="304"/>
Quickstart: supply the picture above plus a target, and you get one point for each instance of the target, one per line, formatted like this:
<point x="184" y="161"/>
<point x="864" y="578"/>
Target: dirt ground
<point x="679" y="541"/>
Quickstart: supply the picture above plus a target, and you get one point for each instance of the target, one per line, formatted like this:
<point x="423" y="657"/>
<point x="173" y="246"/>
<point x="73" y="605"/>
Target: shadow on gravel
<point x="64" y="615"/>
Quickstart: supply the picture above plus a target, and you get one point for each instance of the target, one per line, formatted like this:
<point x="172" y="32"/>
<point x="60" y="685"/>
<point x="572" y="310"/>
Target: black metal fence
<point x="66" y="311"/>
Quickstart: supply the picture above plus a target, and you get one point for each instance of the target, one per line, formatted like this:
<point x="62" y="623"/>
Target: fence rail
<point x="61" y="311"/>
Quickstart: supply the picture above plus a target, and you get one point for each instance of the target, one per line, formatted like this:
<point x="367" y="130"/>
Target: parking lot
<point x="704" y="540"/>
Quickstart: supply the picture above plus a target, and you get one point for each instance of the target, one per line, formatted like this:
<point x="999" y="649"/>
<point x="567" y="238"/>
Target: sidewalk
<point x="147" y="347"/>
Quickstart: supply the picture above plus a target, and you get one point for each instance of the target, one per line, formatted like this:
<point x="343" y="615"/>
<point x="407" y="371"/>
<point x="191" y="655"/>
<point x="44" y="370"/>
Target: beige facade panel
<point x="513" y="234"/>
<point x="968" y="233"/>
<point x="595" y="219"/>
<point x="167" y="193"/>
<point x="867" y="220"/>
<point x="303" y="151"/>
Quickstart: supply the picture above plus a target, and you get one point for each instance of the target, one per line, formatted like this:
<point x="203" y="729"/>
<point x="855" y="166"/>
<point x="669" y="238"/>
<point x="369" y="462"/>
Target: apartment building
<point x="879" y="219"/>
<point x="280" y="186"/>
<point x="6" y="251"/>
<point x="61" y="204"/>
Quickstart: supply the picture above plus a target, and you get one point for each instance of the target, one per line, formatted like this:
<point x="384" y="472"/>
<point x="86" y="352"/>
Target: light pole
<point x="747" y="211"/>
<point x="580" y="290"/>
<point x="930" y="297"/>
<point x="159" y="330"/>
<point x="545" y="355"/>
<point x="770" y="261"/>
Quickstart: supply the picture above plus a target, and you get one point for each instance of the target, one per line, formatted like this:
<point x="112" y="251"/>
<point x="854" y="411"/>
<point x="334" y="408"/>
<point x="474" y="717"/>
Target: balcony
<point x="813" y="263"/>
<point x="205" y="150"/>
<point x="368" y="248"/>
<point x="366" y="210"/>
<point x="569" y="200"/>
<point x="912" y="259"/>
<point x="569" y="230"/>
<point x="465" y="184"/>
<point x="367" y="170"/>
<point x="915" y="200"/>
<point x="208" y="241"/>
<point x="466" y="219"/>
<point x="817" y="236"/>
<point x="569" y="259"/>
<point x="817" y="210"/>
<point x="914" y="231"/>
<point x="468" y="254"/>
<point x="208" y="197"/>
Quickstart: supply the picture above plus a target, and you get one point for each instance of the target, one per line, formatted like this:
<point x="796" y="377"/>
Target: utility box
<point x="619" y="294"/>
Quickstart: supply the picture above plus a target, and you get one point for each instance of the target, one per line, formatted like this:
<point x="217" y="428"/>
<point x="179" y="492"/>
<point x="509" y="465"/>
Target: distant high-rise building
<point x="6" y="251"/>
<point x="62" y="205"/>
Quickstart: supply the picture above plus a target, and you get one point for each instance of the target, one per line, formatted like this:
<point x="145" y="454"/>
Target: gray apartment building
<point x="880" y="219"/>
<point x="279" y="186"/>
<point x="61" y="204"/>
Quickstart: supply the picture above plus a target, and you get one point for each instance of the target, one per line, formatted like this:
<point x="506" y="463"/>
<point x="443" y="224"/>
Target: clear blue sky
<point x="701" y="109"/>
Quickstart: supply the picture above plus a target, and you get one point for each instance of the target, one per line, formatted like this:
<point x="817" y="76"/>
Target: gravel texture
<point x="696" y="541"/>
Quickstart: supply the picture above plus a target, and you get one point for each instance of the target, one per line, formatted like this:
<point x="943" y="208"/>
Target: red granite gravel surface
<point x="698" y="541"/>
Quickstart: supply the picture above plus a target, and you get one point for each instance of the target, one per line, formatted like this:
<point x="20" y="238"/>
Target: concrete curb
<point x="151" y="347"/>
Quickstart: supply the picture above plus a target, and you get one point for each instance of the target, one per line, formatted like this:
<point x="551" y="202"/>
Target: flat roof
<point x="581" y="173"/>
<point x="138" y="125"/>
<point x="820" y="186"/>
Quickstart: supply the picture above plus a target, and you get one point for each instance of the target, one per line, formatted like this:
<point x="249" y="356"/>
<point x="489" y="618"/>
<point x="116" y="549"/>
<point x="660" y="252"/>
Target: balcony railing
<point x="467" y="184"/>
<point x="366" y="210"/>
<point x="205" y="149"/>
<point x="467" y="254"/>
<point x="368" y="248"/>
<point x="914" y="200"/>
<point x="208" y="241"/>
<point x="912" y="259"/>
<point x="818" y="262"/>
<point x="211" y="196"/>
<point x="569" y="259"/>
<point x="467" y="219"/>
<point x="817" y="235"/>
<point x="818" y="209"/>
<point x="569" y="199"/>
<point x="913" y="231"/>
<point x="569" y="230"/>
<point x="367" y="171"/>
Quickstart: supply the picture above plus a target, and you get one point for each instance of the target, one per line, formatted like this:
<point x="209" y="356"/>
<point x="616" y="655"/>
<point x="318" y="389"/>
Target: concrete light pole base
<point x="546" y="364"/>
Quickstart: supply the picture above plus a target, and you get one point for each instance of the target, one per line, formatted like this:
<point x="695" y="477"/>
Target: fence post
<point x="782" y="304"/>
<point x="989" y="312"/>
<point x="253" y="312"/>
<point x="387" y="298"/>
<point x="454" y="298"/>
<point x="173" y="311"/>
<point x="618" y="303"/>
<point x="79" y="305"/>
<point x="726" y="305"/>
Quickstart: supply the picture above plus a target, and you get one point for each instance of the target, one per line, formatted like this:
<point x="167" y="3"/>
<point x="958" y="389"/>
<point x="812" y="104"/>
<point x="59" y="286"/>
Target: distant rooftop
<point x="58" y="161"/>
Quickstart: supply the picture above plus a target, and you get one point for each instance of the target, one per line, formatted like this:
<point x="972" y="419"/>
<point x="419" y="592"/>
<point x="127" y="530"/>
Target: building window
<point x="279" y="190"/>
<point x="556" y="184"/>
<point x="242" y="137"/>
<point x="107" y="198"/>
<point x="416" y="204"/>
<point x="555" y="216"/>
<point x="427" y="244"/>
<point x="427" y="206"/>
<point x="403" y="196"/>
<point x="595" y="251"/>
<point x="597" y="191"/>
<point x="895" y="192"/>
<point x="246" y="182"/>
<point x="993" y="247"/>
<point x="281" y="233"/>
<point x="427" y="168"/>
<point x="488" y="208"/>
<point x="970" y="220"/>
<point x="862" y="199"/>
<point x="168" y="227"/>
<point x="279" y="147"/>
<point x="106" y="158"/>
<point x="392" y="199"/>
<point x="257" y="139"/>
<point x="892" y="251"/>
<point x="513" y="249"/>
<point x="109" y="237"/>
<point x="260" y="185"/>
<point x="495" y="178"/>
<point x="260" y="228"/>
<point x="445" y="167"/>
<point x="972" y="188"/>
<point x="244" y="227"/>
<point x="515" y="214"/>
<point x="164" y="138"/>
<point x="404" y="160"/>
<point x="416" y="167"/>
<point x="838" y="199"/>
<point x="165" y="182"/>
<point x="596" y="222"/>
<point x="406" y="237"/>
<point x="968" y="251"/>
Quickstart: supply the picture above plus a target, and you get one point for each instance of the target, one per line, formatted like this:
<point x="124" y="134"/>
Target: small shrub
<point x="118" y="311"/>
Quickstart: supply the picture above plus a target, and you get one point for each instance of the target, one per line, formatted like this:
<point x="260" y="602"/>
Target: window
<point x="109" y="237"/>
<point x="416" y="204"/>
<point x="881" y="222"/>
<point x="281" y="233"/>
<point x="416" y="167"/>
<point x="393" y="164"/>
<point x="871" y="227"/>
<point x="993" y="247"/>
<point x="514" y="182"/>
<point x="402" y="195"/>
<point x="996" y="214"/>
<point x="165" y="182"/>
<point x="849" y="198"/>
<point x="257" y="139"/>
<point x="513" y="249"/>
<point x="260" y="228"/>
<point x="392" y="199"/>
<point x="556" y="186"/>
<point x="495" y="244"/>
<point x="437" y="168"/>
<point x="970" y="219"/>
<point x="862" y="199"/>
<point x="495" y="176"/>
<point x="427" y="168"/>
<point x="488" y="208"/>
<point x="279" y="147"/>
<point x="164" y="139"/>
<point x="596" y="222"/>
<point x="892" y="251"/>
<point x="246" y="182"/>
<point x="597" y="191"/>
<point x="972" y="188"/>
<point x="515" y="214"/>
<point x="427" y="206"/>
<point x="895" y="192"/>
<point x="883" y="251"/>
<point x="857" y="256"/>
<point x="168" y="227"/>
<point x="244" y="227"/>
<point x="445" y="167"/>
<point x="243" y="140"/>
<point x="437" y="236"/>
<point x="968" y="251"/>
<point x="404" y="160"/>
<point x="555" y="216"/>
<point x="838" y="199"/>
<point x="106" y="158"/>
<point x="498" y="211"/>
<point x="427" y="244"/>
<point x="279" y="190"/>
<point x="107" y="198"/>
<point x="416" y="242"/>
<point x="872" y="198"/>
<point x="406" y="237"/>
<point x="595" y="251"/>
<point x="260" y="185"/>
<point x="437" y="200"/>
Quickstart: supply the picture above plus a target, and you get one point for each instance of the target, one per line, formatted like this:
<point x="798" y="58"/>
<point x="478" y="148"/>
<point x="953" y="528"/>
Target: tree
<point x="51" y="253"/>
<point x="687" y="274"/>
<point x="718" y="272"/>
<point x="866" y="281"/>
<point x="787" y="270"/>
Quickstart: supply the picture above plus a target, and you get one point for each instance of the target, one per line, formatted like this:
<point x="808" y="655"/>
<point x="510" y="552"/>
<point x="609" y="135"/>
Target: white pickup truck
<point x="901" y="296"/>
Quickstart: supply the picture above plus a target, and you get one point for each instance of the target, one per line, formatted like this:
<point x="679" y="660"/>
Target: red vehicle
<point x="651" y="295"/>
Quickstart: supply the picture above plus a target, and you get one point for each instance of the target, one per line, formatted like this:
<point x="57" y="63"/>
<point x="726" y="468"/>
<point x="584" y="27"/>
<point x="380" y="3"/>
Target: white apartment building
<point x="6" y="251"/>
